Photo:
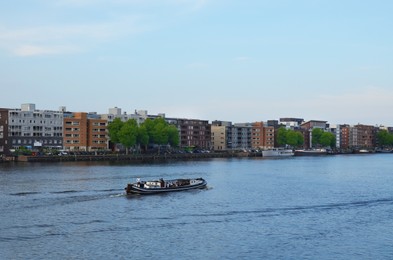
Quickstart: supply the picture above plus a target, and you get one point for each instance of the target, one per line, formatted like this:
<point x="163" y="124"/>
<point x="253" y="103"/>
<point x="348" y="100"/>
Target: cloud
<point x="24" y="39"/>
<point x="372" y="103"/>
<point x="31" y="50"/>
<point x="65" y="39"/>
<point x="361" y="97"/>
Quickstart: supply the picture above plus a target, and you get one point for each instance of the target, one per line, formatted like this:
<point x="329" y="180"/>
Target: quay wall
<point x="141" y="158"/>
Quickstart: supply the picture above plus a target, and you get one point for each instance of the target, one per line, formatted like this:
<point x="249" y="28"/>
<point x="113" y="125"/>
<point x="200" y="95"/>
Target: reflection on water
<point x="326" y="207"/>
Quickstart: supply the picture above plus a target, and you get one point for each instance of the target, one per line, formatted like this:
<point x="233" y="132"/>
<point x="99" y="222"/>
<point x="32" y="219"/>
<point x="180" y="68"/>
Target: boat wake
<point x="307" y="209"/>
<point x="61" y="198"/>
<point x="24" y="193"/>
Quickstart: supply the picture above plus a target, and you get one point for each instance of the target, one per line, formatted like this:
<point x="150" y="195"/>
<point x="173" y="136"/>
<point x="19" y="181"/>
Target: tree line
<point x="150" y="132"/>
<point x="296" y="139"/>
<point x="385" y="139"/>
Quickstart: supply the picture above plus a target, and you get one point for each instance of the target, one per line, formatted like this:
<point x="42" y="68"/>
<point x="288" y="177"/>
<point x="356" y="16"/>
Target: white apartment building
<point x="34" y="128"/>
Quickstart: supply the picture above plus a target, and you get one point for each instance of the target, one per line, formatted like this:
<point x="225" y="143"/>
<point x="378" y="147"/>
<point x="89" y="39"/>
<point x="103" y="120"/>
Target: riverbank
<point x="145" y="158"/>
<point x="137" y="158"/>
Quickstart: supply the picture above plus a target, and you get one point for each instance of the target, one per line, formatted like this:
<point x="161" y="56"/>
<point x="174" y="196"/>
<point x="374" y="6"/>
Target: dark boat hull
<point x="134" y="188"/>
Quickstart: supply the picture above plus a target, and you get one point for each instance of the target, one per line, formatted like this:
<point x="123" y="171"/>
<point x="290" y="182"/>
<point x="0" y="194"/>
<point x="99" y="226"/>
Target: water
<point x="334" y="207"/>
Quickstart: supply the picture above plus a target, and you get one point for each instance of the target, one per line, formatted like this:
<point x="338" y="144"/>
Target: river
<point x="328" y="207"/>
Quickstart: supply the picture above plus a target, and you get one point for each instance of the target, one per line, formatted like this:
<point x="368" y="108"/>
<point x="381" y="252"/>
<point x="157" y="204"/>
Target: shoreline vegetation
<point x="146" y="158"/>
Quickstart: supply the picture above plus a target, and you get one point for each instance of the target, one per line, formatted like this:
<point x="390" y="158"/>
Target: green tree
<point x="143" y="137"/>
<point x="114" y="129"/>
<point x="156" y="131"/>
<point x="385" y="138"/>
<point x="282" y="136"/>
<point x="289" y="137"/>
<point x="173" y="135"/>
<point x="316" y="136"/>
<point x="160" y="133"/>
<point x="327" y="139"/>
<point x="300" y="139"/>
<point x="128" y="134"/>
<point x="322" y="138"/>
<point x="148" y="124"/>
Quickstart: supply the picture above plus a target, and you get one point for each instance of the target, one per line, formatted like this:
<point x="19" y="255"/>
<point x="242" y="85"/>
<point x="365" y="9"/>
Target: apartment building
<point x="307" y="128"/>
<point x="193" y="132"/>
<point x="362" y="136"/>
<point x="4" y="145"/>
<point x="241" y="136"/>
<point x="262" y="136"/>
<point x="291" y="122"/>
<point x="219" y="137"/>
<point x="34" y="129"/>
<point x="139" y="115"/>
<point x="342" y="136"/>
<point x="85" y="132"/>
<point x="225" y="127"/>
<point x="97" y="137"/>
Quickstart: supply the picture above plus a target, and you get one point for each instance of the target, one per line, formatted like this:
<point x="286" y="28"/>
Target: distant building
<point x="227" y="126"/>
<point x="4" y="144"/>
<point x="273" y="123"/>
<point x="308" y="127"/>
<point x="291" y="122"/>
<point x="241" y="136"/>
<point x="342" y="136"/>
<point x="262" y="137"/>
<point x="219" y="137"/>
<point x="35" y="129"/>
<point x="362" y="136"/>
<point x="85" y="132"/>
<point x="140" y="116"/>
<point x="193" y="132"/>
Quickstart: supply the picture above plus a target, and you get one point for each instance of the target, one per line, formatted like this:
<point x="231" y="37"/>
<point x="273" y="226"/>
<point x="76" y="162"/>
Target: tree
<point x="149" y="126"/>
<point x="173" y="135"/>
<point x="114" y="129"/>
<point x="384" y="138"/>
<point x="289" y="137"/>
<point x="316" y="136"/>
<point x="143" y="137"/>
<point x="128" y="134"/>
<point x="156" y="131"/>
<point x="327" y="139"/>
<point x="322" y="138"/>
<point x="282" y="136"/>
<point x="160" y="134"/>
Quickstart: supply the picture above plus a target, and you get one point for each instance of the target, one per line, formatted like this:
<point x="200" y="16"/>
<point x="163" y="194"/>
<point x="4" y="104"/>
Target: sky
<point x="231" y="60"/>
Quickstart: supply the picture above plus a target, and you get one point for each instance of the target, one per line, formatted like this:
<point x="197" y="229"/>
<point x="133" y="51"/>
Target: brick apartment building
<point x="4" y="144"/>
<point x="262" y="137"/>
<point x="193" y="132"/>
<point x="85" y="132"/>
<point x="362" y="136"/>
<point x="307" y="128"/>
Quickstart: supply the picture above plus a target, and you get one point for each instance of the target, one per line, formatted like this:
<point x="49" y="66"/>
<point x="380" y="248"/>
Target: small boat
<point x="311" y="152"/>
<point x="162" y="186"/>
<point x="277" y="152"/>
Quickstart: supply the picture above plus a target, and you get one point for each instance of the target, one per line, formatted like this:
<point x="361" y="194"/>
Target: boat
<point x="163" y="186"/>
<point x="311" y="152"/>
<point x="384" y="151"/>
<point x="277" y="152"/>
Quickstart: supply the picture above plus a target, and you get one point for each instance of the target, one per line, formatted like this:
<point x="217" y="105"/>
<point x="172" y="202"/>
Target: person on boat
<point x="162" y="183"/>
